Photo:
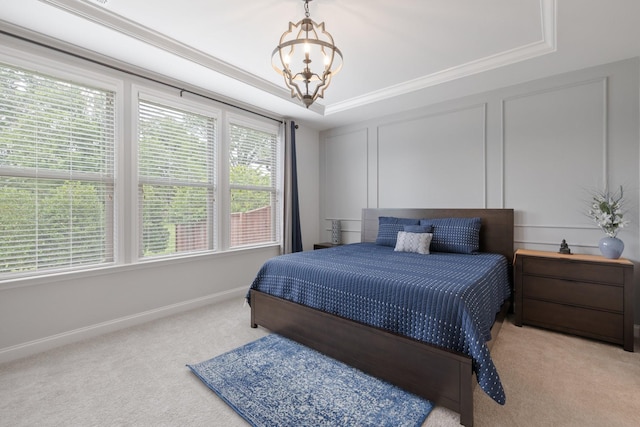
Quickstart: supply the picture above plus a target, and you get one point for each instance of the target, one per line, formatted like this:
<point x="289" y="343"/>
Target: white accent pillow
<point x="413" y="242"/>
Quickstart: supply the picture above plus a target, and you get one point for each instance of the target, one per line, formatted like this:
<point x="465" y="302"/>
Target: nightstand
<point x="586" y="295"/>
<point x="325" y="245"/>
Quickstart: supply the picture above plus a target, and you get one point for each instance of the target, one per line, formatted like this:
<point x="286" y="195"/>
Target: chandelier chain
<point x="306" y="8"/>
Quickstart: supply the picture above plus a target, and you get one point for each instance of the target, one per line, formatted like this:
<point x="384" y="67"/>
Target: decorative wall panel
<point x="345" y="176"/>
<point x="434" y="160"/>
<point x="555" y="152"/>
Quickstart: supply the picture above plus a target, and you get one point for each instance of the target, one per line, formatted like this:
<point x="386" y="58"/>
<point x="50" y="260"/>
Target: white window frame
<point x="125" y="180"/>
<point x="171" y="100"/>
<point x="278" y="217"/>
<point x="81" y="76"/>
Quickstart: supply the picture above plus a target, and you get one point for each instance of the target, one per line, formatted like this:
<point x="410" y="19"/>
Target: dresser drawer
<point x="570" y="270"/>
<point x="581" y="321"/>
<point x="583" y="294"/>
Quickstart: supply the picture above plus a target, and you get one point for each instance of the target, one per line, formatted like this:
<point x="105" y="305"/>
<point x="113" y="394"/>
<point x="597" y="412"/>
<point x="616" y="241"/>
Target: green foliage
<point x="68" y="228"/>
<point x="155" y="234"/>
<point x="49" y="125"/>
<point x="173" y="145"/>
<point x="69" y="129"/>
<point x="17" y="228"/>
<point x="166" y="206"/>
<point x="71" y="219"/>
<point x="188" y="205"/>
<point x="252" y="154"/>
<point x="248" y="200"/>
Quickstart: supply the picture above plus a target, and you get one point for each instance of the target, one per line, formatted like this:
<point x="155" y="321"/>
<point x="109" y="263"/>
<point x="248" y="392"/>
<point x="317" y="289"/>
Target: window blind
<point x="176" y="180"/>
<point x="253" y="172"/>
<point x="56" y="173"/>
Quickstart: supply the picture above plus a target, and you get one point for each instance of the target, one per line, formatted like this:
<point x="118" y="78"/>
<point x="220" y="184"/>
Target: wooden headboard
<point x="496" y="232"/>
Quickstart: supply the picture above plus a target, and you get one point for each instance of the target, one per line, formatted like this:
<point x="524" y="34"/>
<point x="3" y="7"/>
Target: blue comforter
<point x="449" y="300"/>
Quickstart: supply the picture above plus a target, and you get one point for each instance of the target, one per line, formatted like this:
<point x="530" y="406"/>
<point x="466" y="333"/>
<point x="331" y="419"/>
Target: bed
<point x="373" y="342"/>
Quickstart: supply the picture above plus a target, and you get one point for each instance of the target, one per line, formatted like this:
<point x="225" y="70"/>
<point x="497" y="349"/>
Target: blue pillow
<point x="457" y="235"/>
<point x="388" y="227"/>
<point x="418" y="229"/>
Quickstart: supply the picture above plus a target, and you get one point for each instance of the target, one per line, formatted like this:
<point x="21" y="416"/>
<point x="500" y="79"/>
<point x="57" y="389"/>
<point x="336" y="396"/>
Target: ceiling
<point x="398" y="55"/>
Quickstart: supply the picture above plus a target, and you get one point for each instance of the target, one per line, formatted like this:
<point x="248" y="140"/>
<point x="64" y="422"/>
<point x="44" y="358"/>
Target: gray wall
<point x="41" y="313"/>
<point x="538" y="148"/>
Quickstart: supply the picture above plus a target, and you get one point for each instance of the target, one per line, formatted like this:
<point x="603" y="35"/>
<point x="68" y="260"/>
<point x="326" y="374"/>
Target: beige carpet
<point x="137" y="377"/>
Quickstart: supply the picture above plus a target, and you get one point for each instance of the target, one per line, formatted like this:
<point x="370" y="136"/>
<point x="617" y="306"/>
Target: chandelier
<point x="308" y="59"/>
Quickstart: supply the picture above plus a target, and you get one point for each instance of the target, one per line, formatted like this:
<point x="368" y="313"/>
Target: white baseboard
<point x="43" y="344"/>
<point x="37" y="346"/>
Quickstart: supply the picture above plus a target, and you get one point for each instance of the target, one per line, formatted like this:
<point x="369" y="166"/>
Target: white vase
<point x="611" y="247"/>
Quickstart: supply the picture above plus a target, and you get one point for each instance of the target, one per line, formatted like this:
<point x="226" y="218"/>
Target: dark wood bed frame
<point x="442" y="376"/>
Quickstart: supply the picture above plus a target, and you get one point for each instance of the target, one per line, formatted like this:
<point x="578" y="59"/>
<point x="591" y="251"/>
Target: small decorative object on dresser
<point x="607" y="212"/>
<point x="611" y="247"/>
<point x="564" y="248"/>
<point x="586" y="295"/>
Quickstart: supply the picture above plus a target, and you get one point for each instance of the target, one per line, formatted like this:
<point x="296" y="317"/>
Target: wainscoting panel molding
<point x="345" y="173"/>
<point x="555" y="145"/>
<point x="434" y="160"/>
<point x="539" y="147"/>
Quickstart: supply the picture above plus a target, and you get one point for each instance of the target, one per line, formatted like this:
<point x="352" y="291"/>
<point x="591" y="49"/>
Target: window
<point x="56" y="173"/>
<point x="176" y="180"/>
<point x="76" y="194"/>
<point x="253" y="183"/>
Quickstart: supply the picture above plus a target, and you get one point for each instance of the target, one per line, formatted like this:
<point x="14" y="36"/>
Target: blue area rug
<point x="277" y="382"/>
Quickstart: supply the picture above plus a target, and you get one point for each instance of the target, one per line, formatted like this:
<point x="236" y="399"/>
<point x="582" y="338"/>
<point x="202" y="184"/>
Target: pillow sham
<point x="413" y="242"/>
<point x="388" y="227"/>
<point x="457" y="235"/>
<point x="418" y="228"/>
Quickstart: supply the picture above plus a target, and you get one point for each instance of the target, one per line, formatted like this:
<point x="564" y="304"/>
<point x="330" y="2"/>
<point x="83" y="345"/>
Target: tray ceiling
<point x="393" y="51"/>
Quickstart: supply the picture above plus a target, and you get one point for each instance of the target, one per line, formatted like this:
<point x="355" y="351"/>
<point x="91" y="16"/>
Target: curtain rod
<point x="132" y="73"/>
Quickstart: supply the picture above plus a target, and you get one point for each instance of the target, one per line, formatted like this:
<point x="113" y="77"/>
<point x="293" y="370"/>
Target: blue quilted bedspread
<point x="445" y="299"/>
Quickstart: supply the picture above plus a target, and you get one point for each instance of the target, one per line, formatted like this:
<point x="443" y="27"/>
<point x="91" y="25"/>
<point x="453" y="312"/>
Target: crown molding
<point x="104" y="17"/>
<point x="548" y="44"/>
<point x="110" y="20"/>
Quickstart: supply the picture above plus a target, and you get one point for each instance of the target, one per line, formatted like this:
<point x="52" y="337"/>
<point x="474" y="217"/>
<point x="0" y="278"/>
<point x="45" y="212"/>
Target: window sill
<point x="45" y="278"/>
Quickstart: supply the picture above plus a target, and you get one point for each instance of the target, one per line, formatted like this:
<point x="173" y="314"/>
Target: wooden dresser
<point x="586" y="295"/>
